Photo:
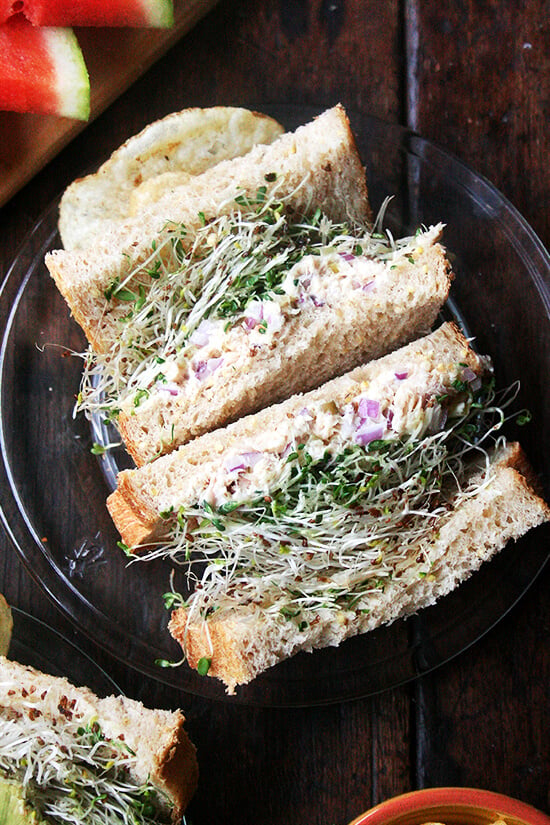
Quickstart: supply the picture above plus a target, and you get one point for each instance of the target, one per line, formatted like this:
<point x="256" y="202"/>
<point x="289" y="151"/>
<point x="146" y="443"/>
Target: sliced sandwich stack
<point x="69" y="756"/>
<point x="311" y="492"/>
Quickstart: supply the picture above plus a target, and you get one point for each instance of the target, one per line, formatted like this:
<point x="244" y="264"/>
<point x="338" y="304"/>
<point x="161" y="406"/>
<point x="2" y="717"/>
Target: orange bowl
<point x="452" y="806"/>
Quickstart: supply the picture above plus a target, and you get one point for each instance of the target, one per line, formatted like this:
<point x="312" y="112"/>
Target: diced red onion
<point x="203" y="369"/>
<point x="401" y="375"/>
<point x="306" y="296"/>
<point x="368" y="287"/>
<point x="369" y="432"/>
<point x="368" y="408"/>
<point x="168" y="386"/>
<point x="245" y="461"/>
<point x="287" y="450"/>
<point x="347" y="256"/>
<point x="439" y="419"/>
<point x="373" y="408"/>
<point x="472" y="378"/>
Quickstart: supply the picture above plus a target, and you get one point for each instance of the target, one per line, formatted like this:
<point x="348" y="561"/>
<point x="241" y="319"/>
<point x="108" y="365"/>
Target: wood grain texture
<point x="476" y="80"/>
<point x="463" y="75"/>
<point x="483" y="721"/>
<point x="476" y="75"/>
<point x="297" y="52"/>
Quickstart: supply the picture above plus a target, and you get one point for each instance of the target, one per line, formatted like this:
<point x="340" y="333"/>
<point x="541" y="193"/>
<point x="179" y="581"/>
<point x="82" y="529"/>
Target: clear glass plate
<point x="38" y="645"/>
<point x="53" y="489"/>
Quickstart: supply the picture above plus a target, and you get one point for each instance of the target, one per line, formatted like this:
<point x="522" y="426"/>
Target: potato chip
<point x="181" y="144"/>
<point x="152" y="189"/>
<point x="6" y="626"/>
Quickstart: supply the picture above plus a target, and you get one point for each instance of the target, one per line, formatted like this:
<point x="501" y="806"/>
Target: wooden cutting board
<point x="115" y="59"/>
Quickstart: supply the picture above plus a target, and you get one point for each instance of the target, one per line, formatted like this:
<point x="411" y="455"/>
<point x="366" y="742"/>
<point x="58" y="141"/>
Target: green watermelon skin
<point x="69" y="13"/>
<point x="42" y="70"/>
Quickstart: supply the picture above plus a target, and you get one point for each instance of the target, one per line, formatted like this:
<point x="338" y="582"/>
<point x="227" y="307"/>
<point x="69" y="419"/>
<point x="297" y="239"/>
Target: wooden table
<point x="474" y="77"/>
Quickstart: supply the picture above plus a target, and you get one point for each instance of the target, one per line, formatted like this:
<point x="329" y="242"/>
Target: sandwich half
<point x="335" y="511"/>
<point x="318" y="164"/>
<point x="67" y="756"/>
<point x="266" y="280"/>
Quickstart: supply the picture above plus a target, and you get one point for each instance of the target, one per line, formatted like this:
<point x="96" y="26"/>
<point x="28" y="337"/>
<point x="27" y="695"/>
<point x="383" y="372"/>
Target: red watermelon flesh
<point x="42" y="70"/>
<point x="136" y="13"/>
<point x="9" y="7"/>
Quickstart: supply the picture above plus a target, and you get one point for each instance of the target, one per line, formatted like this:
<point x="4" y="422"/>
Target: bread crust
<point x="177" y="769"/>
<point x="137" y="523"/>
<point x="164" y="154"/>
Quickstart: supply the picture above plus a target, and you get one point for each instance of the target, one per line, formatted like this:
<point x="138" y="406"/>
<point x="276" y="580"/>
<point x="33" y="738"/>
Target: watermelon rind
<point x="63" y="13"/>
<point x="73" y="82"/>
<point x="158" y="13"/>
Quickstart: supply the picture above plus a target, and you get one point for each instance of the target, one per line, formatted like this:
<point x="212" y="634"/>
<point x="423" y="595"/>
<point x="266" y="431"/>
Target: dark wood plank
<point x="483" y="718"/>
<point x="478" y="84"/>
<point x="297" y="52"/>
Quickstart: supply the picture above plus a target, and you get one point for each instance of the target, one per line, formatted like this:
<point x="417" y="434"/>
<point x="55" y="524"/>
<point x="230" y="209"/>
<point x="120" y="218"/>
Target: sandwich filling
<point x="68" y="770"/>
<point x="339" y="500"/>
<point x="198" y="303"/>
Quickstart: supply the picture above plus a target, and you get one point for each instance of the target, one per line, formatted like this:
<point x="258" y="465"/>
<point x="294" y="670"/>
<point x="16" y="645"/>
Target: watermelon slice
<point x="136" y="13"/>
<point x="42" y="70"/>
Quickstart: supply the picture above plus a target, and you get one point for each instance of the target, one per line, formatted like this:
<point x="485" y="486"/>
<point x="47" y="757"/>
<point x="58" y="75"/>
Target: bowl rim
<point x="427" y="798"/>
